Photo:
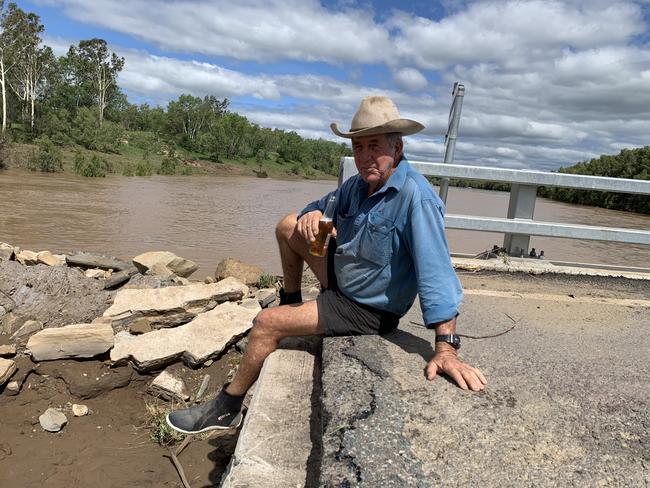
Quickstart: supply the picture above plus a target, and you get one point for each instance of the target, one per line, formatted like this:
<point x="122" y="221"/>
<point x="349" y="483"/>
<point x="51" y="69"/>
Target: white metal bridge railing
<point x="518" y="225"/>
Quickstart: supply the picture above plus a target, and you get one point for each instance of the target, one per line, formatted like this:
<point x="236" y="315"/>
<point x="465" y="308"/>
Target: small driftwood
<point x="120" y="278"/>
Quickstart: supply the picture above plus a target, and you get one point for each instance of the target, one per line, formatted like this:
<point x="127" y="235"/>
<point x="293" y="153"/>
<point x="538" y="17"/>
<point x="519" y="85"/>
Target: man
<point x="390" y="245"/>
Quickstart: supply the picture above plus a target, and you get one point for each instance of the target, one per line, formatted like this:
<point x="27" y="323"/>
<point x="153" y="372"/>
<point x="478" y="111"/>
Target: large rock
<point x="157" y="261"/>
<point x="46" y="257"/>
<point x="53" y="420"/>
<point x="71" y="341"/>
<point x="7" y="368"/>
<point x="89" y="260"/>
<point x="27" y="258"/>
<point x="29" y="327"/>
<point x="246" y="273"/>
<point x="203" y="338"/>
<point x="173" y="305"/>
<point x="6" y="251"/>
<point x="87" y="379"/>
<point x="169" y="386"/>
<point x="7" y="350"/>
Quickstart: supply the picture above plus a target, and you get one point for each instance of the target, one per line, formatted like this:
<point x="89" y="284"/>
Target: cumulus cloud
<point x="249" y="29"/>
<point x="411" y="79"/>
<point x="548" y="83"/>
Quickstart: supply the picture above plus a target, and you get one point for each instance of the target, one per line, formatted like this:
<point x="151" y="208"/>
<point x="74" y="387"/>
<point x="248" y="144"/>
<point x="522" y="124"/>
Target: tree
<point x="95" y="66"/>
<point x="32" y="63"/>
<point x="189" y="116"/>
<point x="10" y="47"/>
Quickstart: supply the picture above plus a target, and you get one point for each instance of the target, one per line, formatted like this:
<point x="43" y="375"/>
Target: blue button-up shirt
<point x="392" y="246"/>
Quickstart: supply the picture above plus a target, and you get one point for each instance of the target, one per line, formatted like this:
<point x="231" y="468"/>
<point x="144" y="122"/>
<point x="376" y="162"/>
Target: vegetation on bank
<point x="629" y="163"/>
<point x="70" y="108"/>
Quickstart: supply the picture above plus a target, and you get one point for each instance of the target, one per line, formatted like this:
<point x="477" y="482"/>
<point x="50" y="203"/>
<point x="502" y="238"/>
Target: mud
<point x="112" y="446"/>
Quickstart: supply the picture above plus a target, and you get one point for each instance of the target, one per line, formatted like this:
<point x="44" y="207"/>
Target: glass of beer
<point x="318" y="247"/>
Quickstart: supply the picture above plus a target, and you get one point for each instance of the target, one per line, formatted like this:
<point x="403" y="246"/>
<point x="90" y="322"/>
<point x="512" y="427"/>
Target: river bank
<point x="186" y="164"/>
<point x="50" y="367"/>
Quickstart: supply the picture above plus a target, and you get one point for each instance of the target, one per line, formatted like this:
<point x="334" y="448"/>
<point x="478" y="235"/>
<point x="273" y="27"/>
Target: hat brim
<point x="405" y="127"/>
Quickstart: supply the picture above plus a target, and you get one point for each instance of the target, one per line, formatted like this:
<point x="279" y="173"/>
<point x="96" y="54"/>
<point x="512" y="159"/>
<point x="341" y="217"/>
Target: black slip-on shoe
<point x="203" y="418"/>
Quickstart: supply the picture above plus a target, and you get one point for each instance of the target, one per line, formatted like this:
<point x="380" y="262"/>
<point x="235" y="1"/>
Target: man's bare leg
<point x="272" y="325"/>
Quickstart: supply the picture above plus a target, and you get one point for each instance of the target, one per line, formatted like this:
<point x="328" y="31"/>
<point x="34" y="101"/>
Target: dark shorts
<point x="342" y="316"/>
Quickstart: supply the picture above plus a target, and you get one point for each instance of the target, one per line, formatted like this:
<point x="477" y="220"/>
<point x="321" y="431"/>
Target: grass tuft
<point x="159" y="431"/>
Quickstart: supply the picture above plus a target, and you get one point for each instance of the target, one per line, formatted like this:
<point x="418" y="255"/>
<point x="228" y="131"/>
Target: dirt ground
<point x="112" y="446"/>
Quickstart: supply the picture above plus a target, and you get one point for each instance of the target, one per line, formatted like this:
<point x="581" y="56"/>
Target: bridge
<point x="518" y="225"/>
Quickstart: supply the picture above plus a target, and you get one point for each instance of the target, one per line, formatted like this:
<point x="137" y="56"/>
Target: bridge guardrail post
<point x="520" y="206"/>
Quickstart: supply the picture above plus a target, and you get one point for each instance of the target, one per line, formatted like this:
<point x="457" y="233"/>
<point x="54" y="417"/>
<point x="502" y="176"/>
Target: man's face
<point x="375" y="158"/>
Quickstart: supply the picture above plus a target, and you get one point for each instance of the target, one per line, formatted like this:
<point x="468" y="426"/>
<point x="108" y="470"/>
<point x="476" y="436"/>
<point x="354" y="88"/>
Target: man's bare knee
<point x="264" y="327"/>
<point x="286" y="226"/>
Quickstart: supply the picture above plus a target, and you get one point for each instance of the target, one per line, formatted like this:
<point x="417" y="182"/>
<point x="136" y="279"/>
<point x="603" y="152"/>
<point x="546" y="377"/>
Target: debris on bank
<point x="126" y="321"/>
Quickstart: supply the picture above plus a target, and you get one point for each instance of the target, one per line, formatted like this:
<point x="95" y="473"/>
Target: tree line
<point x="75" y="99"/>
<point x="629" y="163"/>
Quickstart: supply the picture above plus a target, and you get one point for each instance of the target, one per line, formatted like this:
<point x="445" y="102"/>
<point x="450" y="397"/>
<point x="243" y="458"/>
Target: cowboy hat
<point x="378" y="115"/>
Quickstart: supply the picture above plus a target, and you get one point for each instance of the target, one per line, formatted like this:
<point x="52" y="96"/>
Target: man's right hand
<point x="308" y="225"/>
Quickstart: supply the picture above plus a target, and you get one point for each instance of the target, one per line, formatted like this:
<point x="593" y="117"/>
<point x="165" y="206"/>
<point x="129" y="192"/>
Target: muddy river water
<point x="209" y="218"/>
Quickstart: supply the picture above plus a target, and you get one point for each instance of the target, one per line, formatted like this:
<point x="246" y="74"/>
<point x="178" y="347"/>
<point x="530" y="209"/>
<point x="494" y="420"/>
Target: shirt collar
<point x="398" y="178"/>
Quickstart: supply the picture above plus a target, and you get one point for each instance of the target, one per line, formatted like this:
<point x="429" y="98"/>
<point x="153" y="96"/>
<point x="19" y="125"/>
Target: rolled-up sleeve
<point x="438" y="286"/>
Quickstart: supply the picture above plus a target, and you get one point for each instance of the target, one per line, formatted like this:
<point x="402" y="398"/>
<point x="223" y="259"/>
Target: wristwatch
<point x="452" y="339"/>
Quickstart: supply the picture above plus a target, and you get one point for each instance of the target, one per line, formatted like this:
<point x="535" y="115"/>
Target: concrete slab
<point x="276" y="447"/>
<point x="538" y="267"/>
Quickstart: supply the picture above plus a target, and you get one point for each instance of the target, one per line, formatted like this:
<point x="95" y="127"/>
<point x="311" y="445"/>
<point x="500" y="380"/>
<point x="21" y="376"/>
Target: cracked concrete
<point x="566" y="403"/>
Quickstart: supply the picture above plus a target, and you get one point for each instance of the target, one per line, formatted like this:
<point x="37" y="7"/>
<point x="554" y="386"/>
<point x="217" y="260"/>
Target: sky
<point x="547" y="83"/>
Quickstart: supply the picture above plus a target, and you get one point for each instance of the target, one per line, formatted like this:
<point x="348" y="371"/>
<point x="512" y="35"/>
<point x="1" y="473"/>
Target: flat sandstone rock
<point x="157" y="261"/>
<point x="71" y="341"/>
<point x="195" y="342"/>
<point x="7" y="368"/>
<point x="172" y="305"/>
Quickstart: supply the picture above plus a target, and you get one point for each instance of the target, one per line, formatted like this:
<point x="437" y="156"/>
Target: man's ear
<point x="399" y="149"/>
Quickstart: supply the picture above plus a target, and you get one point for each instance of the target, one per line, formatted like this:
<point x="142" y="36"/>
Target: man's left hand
<point x="447" y="362"/>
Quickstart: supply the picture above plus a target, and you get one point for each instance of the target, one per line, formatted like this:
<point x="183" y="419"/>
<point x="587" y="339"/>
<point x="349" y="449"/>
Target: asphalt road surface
<point x="567" y="400"/>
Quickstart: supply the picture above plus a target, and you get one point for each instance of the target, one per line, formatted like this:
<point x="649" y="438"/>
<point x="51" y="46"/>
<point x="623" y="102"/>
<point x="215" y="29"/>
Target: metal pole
<point x="452" y="133"/>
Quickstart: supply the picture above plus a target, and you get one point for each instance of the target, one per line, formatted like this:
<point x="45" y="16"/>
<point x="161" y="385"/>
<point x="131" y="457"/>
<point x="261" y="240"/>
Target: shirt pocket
<point x="377" y="240"/>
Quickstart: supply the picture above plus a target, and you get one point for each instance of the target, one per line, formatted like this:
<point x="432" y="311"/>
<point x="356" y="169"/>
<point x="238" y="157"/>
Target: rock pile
<point x="156" y="319"/>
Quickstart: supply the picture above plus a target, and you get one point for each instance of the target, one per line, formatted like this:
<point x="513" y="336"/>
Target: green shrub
<point x="47" y="158"/>
<point x="95" y="168"/>
<point x="79" y="163"/>
<point x="186" y="170"/>
<point x="143" y="168"/>
<point x="266" y="281"/>
<point x="127" y="170"/>
<point x="167" y="167"/>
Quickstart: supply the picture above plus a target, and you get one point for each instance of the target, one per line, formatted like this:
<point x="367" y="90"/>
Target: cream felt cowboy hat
<point x="378" y="115"/>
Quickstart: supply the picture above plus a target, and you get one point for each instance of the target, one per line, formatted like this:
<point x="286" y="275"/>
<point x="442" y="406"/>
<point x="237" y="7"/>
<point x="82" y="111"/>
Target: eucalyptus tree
<point x="33" y="65"/>
<point x="95" y="68"/>
<point x="10" y="47"/>
<point x="190" y="116"/>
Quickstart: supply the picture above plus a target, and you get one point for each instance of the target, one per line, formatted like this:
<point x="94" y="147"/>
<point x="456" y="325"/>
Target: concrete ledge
<point x="532" y="266"/>
<point x="274" y="449"/>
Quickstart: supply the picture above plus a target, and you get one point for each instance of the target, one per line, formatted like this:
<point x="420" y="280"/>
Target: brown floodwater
<point x="209" y="218"/>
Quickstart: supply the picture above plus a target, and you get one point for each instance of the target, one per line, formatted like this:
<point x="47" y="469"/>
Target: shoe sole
<point x="232" y="426"/>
